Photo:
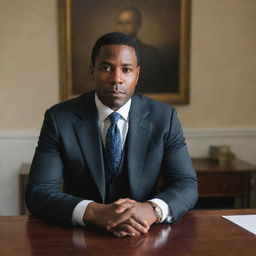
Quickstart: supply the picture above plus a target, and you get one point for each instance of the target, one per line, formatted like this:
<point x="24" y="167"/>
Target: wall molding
<point x="19" y="135"/>
<point x="220" y="132"/>
<point x="189" y="133"/>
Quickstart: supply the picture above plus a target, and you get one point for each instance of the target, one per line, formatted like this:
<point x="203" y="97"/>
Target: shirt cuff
<point x="78" y="212"/>
<point x="165" y="209"/>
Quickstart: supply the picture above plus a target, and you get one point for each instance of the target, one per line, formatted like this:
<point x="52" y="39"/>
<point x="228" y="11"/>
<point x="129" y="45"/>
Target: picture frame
<point x="82" y="22"/>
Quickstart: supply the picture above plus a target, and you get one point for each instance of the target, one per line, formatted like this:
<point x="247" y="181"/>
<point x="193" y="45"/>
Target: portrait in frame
<point x="160" y="27"/>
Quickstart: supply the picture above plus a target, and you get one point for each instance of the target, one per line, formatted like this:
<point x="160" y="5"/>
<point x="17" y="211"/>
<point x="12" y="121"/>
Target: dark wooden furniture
<point x="197" y="233"/>
<point x="231" y="180"/>
<point x="23" y="180"/>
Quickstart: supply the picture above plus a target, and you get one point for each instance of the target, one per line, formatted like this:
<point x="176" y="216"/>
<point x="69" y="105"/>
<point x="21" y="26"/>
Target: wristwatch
<point x="157" y="210"/>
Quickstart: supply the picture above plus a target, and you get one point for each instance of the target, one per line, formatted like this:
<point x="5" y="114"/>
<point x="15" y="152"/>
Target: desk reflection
<point x="48" y="239"/>
<point x="84" y="239"/>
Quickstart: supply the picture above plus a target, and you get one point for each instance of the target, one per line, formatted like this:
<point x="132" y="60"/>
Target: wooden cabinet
<point x="23" y="181"/>
<point x="231" y="180"/>
<point x="223" y="184"/>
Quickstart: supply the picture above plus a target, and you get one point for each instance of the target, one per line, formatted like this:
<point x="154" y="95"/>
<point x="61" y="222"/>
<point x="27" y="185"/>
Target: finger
<point x="124" y="230"/>
<point x="141" y="221"/>
<point x="128" y="229"/>
<point x="116" y="233"/>
<point x="137" y="226"/>
<point x="123" y="207"/>
<point x="123" y="200"/>
<point x="120" y="233"/>
<point x="121" y="218"/>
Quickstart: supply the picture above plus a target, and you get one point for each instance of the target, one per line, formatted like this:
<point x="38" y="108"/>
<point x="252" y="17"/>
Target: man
<point x="129" y="21"/>
<point x="152" y="79"/>
<point x="110" y="168"/>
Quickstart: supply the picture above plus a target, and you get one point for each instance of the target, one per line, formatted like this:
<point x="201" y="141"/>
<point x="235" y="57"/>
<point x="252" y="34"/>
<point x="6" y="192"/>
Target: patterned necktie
<point x="113" y="142"/>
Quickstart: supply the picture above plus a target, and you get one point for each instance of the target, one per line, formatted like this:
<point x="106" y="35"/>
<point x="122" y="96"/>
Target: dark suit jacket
<point x="70" y="151"/>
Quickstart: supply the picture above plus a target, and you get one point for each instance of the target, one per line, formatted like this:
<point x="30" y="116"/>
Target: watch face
<point x="157" y="211"/>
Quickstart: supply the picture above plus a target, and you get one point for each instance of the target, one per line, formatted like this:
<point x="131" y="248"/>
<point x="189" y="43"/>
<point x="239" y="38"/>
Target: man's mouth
<point x="115" y="93"/>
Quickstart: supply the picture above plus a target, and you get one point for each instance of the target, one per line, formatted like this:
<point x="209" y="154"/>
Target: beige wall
<point x="28" y="62"/>
<point x="223" y="65"/>
<point x="223" y="61"/>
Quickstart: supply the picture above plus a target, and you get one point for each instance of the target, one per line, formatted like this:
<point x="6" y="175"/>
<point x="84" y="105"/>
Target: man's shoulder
<point x="155" y="112"/>
<point x="151" y="104"/>
<point x="73" y="104"/>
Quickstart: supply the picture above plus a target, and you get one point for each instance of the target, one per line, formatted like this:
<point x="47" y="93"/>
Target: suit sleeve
<point x="44" y="194"/>
<point x="180" y="181"/>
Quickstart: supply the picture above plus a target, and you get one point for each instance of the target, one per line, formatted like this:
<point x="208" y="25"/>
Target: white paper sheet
<point x="247" y="222"/>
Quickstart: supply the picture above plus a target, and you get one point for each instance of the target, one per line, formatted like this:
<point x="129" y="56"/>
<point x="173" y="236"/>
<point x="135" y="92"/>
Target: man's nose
<point x="117" y="77"/>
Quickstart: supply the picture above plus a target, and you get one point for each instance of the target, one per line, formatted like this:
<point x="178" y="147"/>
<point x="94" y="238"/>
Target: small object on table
<point x="222" y="154"/>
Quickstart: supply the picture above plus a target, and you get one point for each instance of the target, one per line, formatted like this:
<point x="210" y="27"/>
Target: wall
<point x="28" y="62"/>
<point x="223" y="61"/>
<point x="29" y="83"/>
<point x="222" y="94"/>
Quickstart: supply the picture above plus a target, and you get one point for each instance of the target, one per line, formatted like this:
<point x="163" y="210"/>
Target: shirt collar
<point x="104" y="111"/>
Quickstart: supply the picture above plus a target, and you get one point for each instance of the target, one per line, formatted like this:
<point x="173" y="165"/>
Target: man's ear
<point x="92" y="71"/>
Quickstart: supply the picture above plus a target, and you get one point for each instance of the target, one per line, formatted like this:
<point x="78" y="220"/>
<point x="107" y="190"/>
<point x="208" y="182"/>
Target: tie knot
<point x="114" y="117"/>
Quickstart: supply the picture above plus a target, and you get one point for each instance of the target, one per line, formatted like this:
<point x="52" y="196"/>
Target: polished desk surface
<point x="196" y="233"/>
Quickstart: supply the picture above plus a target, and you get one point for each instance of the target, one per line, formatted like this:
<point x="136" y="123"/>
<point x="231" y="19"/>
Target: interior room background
<point x="222" y="108"/>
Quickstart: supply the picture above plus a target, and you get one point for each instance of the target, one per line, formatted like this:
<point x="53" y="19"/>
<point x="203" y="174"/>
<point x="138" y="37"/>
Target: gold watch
<point x="157" y="210"/>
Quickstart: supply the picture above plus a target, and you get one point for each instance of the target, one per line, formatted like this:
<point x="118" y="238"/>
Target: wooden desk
<point x="198" y="233"/>
<point x="235" y="179"/>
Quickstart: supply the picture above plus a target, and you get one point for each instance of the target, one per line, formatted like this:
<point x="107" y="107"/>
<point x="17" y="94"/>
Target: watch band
<point x="157" y="210"/>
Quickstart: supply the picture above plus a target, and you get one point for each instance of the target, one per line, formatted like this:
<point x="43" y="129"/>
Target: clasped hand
<point x="124" y="217"/>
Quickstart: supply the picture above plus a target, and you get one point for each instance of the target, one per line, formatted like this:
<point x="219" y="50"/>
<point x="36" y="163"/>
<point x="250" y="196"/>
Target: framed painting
<point x="160" y="27"/>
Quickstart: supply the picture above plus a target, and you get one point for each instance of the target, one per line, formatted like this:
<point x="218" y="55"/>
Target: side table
<point x="235" y="179"/>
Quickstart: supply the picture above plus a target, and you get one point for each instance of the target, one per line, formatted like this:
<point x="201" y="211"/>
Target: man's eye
<point x="105" y="68"/>
<point x="127" y="70"/>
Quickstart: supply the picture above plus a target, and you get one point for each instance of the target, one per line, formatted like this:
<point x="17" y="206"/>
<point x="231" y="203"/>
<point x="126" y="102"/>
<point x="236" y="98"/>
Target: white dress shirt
<point x="123" y="125"/>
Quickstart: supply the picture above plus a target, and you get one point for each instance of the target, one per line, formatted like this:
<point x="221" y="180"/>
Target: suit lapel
<point x="89" y="139"/>
<point x="137" y="141"/>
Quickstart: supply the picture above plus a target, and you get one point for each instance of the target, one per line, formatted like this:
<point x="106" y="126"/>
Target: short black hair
<point x="114" y="38"/>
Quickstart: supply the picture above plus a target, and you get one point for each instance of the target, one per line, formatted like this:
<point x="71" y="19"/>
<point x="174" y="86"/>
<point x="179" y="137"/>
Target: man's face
<point x="115" y="74"/>
<point x="127" y="23"/>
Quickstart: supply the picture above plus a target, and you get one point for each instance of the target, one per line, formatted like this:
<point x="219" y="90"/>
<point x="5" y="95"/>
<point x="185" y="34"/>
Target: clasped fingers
<point x="122" y="207"/>
<point x="139" y="225"/>
<point x="129" y="228"/>
<point x="121" y="217"/>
